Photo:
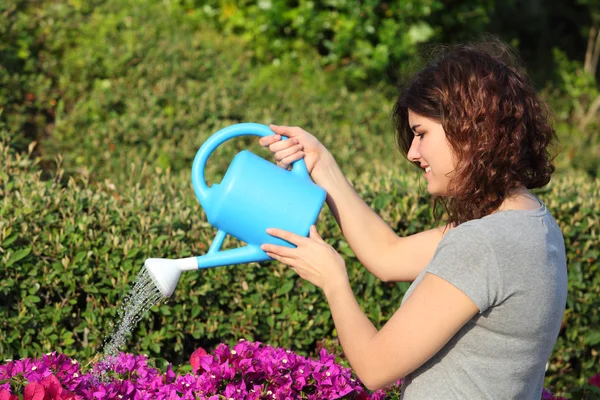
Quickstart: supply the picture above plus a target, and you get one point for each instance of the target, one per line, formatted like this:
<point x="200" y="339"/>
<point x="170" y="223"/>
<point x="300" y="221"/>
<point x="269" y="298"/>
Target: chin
<point x="436" y="191"/>
<point x="432" y="190"/>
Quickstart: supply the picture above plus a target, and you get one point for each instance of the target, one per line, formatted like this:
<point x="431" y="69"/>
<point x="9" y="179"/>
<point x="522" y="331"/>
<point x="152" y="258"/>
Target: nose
<point x="413" y="153"/>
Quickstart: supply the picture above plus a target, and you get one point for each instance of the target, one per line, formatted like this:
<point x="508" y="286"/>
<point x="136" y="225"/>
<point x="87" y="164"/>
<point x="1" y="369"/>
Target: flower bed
<point x="248" y="370"/>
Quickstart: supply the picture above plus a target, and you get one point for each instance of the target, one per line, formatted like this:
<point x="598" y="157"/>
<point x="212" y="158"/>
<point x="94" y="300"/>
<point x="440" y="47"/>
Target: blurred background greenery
<point x="104" y="104"/>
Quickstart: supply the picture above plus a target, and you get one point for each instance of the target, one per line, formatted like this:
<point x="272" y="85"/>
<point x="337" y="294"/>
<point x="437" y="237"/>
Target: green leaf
<point x="592" y="338"/>
<point x="420" y="32"/>
<point x="18" y="256"/>
<point x="155" y="347"/>
<point x="32" y="299"/>
<point x="165" y="310"/>
<point x="9" y="240"/>
<point x="79" y="257"/>
<point x="345" y="248"/>
<point x="132" y="253"/>
<point x="285" y="288"/>
<point x="195" y="311"/>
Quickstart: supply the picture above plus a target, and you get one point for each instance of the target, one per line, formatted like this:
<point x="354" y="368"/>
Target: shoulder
<point x="471" y="233"/>
<point x="466" y="259"/>
<point x="494" y="228"/>
<point x="469" y="241"/>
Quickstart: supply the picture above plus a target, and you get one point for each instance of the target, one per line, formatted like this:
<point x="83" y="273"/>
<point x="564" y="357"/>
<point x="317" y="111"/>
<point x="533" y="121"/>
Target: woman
<point x="489" y="287"/>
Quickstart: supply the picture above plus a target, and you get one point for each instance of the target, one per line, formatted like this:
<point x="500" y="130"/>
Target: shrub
<point x="136" y="88"/>
<point x="575" y="97"/>
<point x="71" y="249"/>
<point x="34" y="37"/>
<point x="362" y="38"/>
<point x="178" y="85"/>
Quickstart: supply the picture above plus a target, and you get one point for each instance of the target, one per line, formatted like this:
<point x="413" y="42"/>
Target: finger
<point x="269" y="140"/>
<point x="282" y="251"/>
<point x="286" y="235"/>
<point x="280" y="155"/>
<point x="286" y="162"/>
<point x="289" y="131"/>
<point x="313" y="234"/>
<point x="286" y="260"/>
<point x="282" y="145"/>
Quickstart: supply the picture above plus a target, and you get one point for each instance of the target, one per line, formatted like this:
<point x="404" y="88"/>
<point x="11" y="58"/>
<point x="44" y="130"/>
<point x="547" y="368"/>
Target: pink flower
<point x="595" y="380"/>
<point x="195" y="358"/>
<point x="248" y="370"/>
<point x="169" y="375"/>
<point x="5" y="395"/>
<point x="52" y="387"/>
<point x="34" y="391"/>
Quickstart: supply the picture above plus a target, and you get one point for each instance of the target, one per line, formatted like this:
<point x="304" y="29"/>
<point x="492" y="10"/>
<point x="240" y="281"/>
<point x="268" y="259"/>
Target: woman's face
<point x="431" y="150"/>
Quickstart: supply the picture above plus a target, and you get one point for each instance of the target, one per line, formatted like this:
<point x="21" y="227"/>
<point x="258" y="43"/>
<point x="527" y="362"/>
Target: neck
<point x="520" y="199"/>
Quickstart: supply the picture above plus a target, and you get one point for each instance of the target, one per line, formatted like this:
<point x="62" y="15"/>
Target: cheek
<point x="449" y="159"/>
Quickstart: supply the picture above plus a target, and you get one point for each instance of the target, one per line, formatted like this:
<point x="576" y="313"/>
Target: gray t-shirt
<point x="512" y="264"/>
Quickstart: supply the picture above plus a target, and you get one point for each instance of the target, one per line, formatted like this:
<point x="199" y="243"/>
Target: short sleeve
<point x="465" y="259"/>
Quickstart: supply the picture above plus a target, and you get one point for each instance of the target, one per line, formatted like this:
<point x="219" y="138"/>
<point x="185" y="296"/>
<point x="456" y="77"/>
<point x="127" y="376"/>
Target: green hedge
<point x="34" y="36"/>
<point x="175" y="84"/>
<point x="360" y="38"/>
<point x="123" y="96"/>
<point x="147" y="82"/>
<point x="70" y="250"/>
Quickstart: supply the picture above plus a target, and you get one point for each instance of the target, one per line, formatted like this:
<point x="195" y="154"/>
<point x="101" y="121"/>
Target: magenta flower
<point x="247" y="370"/>
<point x="595" y="380"/>
<point x="5" y="395"/>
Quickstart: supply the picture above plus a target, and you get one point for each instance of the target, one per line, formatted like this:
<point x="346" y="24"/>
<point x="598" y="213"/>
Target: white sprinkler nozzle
<point x="165" y="273"/>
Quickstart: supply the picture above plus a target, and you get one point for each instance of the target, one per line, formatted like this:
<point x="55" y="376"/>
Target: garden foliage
<point x="71" y="249"/>
<point x="104" y="105"/>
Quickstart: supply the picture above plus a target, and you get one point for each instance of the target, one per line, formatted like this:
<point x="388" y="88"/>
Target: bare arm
<point x="380" y="250"/>
<point x="434" y="312"/>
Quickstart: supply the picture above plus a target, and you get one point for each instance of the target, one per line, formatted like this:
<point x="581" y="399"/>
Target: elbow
<point x="377" y="272"/>
<point x="385" y="277"/>
<point x="375" y="381"/>
<point x="367" y="374"/>
<point x="372" y="386"/>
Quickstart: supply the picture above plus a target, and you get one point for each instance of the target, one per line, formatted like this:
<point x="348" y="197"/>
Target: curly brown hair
<point x="496" y="126"/>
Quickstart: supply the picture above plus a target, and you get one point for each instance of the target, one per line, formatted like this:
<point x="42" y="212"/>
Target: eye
<point x="419" y="135"/>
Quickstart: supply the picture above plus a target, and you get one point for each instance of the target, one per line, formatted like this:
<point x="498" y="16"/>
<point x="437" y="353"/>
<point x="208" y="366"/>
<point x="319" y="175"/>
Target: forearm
<point x="354" y="329"/>
<point x="367" y="234"/>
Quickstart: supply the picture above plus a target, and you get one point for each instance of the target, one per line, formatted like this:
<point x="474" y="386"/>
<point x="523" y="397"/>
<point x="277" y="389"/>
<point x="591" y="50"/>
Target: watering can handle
<point x="242" y="129"/>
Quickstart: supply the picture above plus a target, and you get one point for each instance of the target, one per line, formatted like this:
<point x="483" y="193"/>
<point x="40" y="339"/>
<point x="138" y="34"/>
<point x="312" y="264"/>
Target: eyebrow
<point x="415" y="126"/>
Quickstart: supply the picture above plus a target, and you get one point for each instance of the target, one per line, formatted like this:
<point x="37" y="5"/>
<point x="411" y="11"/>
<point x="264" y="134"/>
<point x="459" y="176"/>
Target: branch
<point x="590" y="114"/>
<point x="592" y="51"/>
<point x="595" y="56"/>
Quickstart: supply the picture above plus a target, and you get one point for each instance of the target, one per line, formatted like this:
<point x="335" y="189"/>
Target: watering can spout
<point x="241" y="255"/>
<point x="165" y="273"/>
<point x="215" y="257"/>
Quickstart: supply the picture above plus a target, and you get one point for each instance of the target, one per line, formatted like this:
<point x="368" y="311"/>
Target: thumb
<point x="283" y="130"/>
<point x="313" y="234"/>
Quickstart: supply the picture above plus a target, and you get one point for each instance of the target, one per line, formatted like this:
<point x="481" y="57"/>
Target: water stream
<point x="143" y="296"/>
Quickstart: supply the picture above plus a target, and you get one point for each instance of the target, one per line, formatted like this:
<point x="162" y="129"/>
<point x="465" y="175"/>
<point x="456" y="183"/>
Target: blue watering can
<point x="254" y="195"/>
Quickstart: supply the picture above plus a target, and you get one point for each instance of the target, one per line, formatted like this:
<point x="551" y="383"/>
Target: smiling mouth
<point x="427" y="169"/>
